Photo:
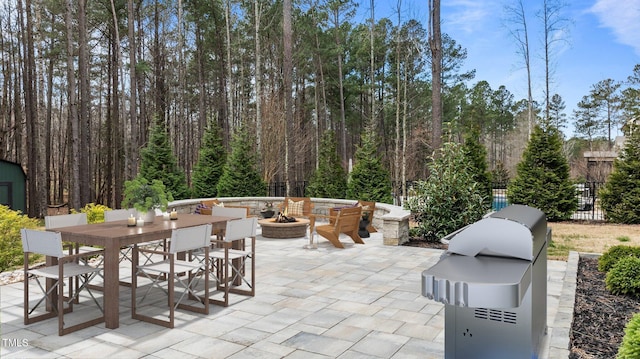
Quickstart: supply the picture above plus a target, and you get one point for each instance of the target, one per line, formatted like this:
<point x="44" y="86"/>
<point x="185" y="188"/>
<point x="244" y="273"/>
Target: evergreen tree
<point x="476" y="154"/>
<point x="369" y="180"/>
<point x="620" y="195"/>
<point x="329" y="180"/>
<point x="240" y="176"/>
<point x="542" y="179"/>
<point x="211" y="160"/>
<point x="451" y="198"/>
<point x="500" y="175"/>
<point x="159" y="163"/>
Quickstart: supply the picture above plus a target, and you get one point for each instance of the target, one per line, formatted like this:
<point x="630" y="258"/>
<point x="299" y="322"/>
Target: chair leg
<point x="331" y="236"/>
<point x="355" y="236"/>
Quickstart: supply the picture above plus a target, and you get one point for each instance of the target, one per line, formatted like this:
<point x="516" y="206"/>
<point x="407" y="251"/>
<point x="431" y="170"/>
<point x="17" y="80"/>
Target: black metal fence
<point x="279" y="189"/>
<point x="586" y="197"/>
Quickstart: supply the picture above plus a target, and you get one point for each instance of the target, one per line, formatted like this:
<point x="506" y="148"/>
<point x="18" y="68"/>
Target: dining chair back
<point x="189" y="238"/>
<point x="65" y="220"/>
<point x="234" y="212"/>
<point x="241" y="229"/>
<point x="119" y="214"/>
<point x="40" y="242"/>
<point x="68" y="267"/>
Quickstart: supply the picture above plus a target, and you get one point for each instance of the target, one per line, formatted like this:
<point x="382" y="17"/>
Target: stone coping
<point x="392" y="221"/>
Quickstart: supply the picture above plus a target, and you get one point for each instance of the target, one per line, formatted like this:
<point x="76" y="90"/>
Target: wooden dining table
<point x="114" y="235"/>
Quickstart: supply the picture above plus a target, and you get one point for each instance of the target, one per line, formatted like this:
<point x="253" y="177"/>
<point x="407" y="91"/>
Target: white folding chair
<point x="182" y="240"/>
<point x="74" y="219"/>
<point x="230" y="256"/>
<point x="235" y="212"/>
<point x="50" y="244"/>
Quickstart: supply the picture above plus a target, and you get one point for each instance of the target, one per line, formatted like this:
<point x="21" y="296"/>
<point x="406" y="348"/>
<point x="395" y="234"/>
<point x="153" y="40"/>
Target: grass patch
<point x="560" y="250"/>
<point x="623" y="239"/>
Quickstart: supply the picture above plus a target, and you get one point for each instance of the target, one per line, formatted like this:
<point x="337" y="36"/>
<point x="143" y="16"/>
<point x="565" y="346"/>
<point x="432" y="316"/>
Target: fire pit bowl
<point x="273" y="229"/>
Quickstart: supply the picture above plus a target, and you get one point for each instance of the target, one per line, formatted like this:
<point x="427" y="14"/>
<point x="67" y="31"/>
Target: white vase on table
<point x="148" y="217"/>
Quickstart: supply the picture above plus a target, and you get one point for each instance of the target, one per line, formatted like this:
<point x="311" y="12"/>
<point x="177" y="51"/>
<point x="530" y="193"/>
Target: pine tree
<point x="451" y="198"/>
<point x="159" y="163"/>
<point x="620" y="195"/>
<point x="477" y="157"/>
<point x="542" y="178"/>
<point x="369" y="180"/>
<point x="240" y="176"/>
<point x="329" y="180"/>
<point x="210" y="165"/>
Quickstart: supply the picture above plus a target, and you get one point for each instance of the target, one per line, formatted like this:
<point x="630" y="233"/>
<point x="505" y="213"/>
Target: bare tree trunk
<point x="396" y="164"/>
<point x="74" y="159"/>
<point x="43" y="136"/>
<point x="117" y="139"/>
<point x="343" y="124"/>
<point x="287" y="70"/>
<point x="85" y="100"/>
<point x="403" y="185"/>
<point x="227" y="17"/>
<point x="435" y="44"/>
<point x="49" y="109"/>
<point x="520" y="34"/>
<point x="132" y="166"/>
<point x="372" y="70"/>
<point x="258" y="79"/>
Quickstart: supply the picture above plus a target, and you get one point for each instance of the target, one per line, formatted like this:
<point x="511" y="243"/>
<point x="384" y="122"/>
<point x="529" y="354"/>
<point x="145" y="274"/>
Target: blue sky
<point x="602" y="41"/>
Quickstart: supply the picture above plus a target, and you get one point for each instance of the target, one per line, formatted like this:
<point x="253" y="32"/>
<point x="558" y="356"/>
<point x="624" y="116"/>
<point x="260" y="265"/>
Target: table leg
<point x="111" y="285"/>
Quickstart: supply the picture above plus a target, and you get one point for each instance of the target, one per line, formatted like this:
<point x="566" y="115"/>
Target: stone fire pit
<point x="273" y="229"/>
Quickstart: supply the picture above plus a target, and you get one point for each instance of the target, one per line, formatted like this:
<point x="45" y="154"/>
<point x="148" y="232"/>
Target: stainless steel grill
<point x="493" y="282"/>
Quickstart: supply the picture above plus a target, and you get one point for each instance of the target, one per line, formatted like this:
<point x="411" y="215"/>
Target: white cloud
<point x="467" y="15"/>
<point x="622" y="17"/>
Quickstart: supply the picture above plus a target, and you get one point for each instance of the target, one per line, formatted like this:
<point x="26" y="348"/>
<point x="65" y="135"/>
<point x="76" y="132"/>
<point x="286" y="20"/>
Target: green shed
<point x="13" y="189"/>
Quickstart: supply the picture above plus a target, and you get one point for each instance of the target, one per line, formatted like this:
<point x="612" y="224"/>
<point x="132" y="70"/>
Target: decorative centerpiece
<point x="267" y="211"/>
<point x="283" y="218"/>
<point x="146" y="197"/>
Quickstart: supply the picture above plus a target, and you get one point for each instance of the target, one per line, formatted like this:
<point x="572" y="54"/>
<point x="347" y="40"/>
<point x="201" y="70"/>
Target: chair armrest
<point x="153" y="251"/>
<point x="73" y="257"/>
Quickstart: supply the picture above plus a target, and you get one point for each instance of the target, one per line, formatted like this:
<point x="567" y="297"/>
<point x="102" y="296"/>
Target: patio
<point x="357" y="302"/>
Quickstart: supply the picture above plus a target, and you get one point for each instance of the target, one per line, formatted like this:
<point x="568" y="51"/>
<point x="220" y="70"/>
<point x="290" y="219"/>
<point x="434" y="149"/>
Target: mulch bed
<point x="599" y="317"/>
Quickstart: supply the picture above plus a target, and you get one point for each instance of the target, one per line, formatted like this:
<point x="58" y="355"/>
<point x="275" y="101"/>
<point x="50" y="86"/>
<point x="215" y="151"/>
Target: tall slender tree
<point x="517" y="17"/>
<point x="435" y="44"/>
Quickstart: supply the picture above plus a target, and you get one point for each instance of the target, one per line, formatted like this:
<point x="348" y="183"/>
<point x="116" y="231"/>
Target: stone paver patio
<point x="363" y="301"/>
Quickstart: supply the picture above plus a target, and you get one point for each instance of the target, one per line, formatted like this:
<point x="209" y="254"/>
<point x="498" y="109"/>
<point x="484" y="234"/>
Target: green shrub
<point x="450" y="199"/>
<point x="329" y="180"/>
<point x="620" y="195"/>
<point x="240" y="175"/>
<point x="10" y="243"/>
<point x="624" y="277"/>
<point x="614" y="254"/>
<point x="369" y="180"/>
<point x="95" y="212"/>
<point x="542" y="178"/>
<point x="630" y="347"/>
